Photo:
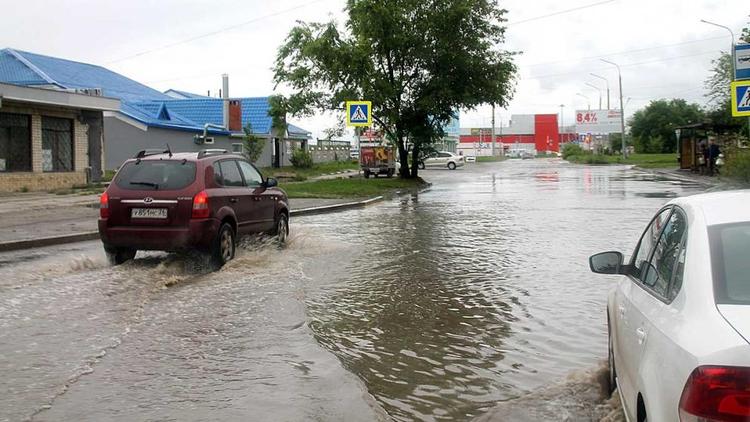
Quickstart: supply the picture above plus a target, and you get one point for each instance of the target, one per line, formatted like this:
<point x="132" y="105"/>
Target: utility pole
<point x="605" y="80"/>
<point x="562" y="125"/>
<point x="588" y="101"/>
<point x="493" y="130"/>
<point x="600" y="93"/>
<point x="622" y="108"/>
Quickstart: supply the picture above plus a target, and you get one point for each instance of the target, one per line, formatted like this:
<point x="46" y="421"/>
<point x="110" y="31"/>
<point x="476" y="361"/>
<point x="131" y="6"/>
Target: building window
<point x="57" y="144"/>
<point x="237" y="148"/>
<point x="15" y="142"/>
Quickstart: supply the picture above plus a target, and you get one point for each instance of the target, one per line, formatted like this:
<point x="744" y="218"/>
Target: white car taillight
<point x="716" y="393"/>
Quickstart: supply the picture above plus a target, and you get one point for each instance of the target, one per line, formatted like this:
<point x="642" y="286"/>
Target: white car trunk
<point x="738" y="317"/>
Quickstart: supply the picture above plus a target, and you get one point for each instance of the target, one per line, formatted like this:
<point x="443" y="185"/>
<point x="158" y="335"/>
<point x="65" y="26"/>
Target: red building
<point x="537" y="132"/>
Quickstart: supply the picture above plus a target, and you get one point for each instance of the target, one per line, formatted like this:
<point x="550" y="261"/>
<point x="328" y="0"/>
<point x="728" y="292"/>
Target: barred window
<point x="15" y="142"/>
<point x="57" y="144"/>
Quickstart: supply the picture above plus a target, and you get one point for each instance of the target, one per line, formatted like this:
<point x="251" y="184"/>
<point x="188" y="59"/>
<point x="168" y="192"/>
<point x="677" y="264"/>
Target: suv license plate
<point x="148" y="213"/>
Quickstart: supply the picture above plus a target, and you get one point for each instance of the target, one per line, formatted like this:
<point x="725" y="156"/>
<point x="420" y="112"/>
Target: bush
<point x="653" y="145"/>
<point x="572" y="149"/>
<point x="301" y="159"/>
<point x="737" y="165"/>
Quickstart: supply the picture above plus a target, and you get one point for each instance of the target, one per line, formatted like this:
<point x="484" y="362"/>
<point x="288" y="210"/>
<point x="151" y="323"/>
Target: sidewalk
<point x="30" y="220"/>
<point x="685" y="176"/>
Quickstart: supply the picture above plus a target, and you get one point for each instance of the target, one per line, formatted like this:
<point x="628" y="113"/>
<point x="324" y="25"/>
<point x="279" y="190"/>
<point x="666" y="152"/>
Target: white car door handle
<point x="622" y="311"/>
<point x="641" y="334"/>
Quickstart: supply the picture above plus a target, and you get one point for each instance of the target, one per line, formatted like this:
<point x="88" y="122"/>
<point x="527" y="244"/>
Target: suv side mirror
<point x="271" y="182"/>
<point x="606" y="263"/>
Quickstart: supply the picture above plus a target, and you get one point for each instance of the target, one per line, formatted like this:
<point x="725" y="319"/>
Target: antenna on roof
<point x="169" y="151"/>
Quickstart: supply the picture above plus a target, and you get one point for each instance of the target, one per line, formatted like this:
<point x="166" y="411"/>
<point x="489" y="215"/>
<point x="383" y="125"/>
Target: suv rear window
<point x="731" y="268"/>
<point x="156" y="175"/>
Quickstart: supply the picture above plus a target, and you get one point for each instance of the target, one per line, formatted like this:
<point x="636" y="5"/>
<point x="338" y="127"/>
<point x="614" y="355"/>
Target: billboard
<point x="598" y="121"/>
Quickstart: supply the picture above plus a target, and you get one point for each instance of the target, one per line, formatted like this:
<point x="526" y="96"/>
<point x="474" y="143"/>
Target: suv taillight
<point x="104" y="205"/>
<point x="200" y="205"/>
<point x="716" y="393"/>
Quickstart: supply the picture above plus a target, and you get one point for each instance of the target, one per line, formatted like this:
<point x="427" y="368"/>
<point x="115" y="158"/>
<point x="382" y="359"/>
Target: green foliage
<point x="653" y="145"/>
<point x="416" y="61"/>
<point x="301" y="159"/>
<point x="252" y="145"/>
<point x="737" y="165"/>
<point x="278" y="108"/>
<point x="654" y="125"/>
<point x="571" y="150"/>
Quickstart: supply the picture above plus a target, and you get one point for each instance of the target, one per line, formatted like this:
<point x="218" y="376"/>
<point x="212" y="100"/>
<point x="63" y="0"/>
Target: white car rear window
<point x="730" y="253"/>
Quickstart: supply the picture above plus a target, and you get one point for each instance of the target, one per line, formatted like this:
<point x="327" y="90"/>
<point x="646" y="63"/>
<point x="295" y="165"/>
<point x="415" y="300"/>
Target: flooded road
<point x="433" y="306"/>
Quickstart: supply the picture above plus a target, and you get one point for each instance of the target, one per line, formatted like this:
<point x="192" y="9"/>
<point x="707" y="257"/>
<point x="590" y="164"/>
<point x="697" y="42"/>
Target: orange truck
<point x="377" y="160"/>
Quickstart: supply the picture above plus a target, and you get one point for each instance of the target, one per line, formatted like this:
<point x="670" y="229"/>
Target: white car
<point x="679" y="317"/>
<point x="443" y="159"/>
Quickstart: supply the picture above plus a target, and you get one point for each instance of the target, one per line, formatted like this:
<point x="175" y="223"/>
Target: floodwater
<point x="470" y="300"/>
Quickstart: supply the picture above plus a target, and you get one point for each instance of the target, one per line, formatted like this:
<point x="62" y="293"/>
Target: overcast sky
<point x="664" y="51"/>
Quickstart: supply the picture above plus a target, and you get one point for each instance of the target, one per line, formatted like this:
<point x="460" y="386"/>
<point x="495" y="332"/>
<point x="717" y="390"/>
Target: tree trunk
<point x="415" y="161"/>
<point x="403" y="155"/>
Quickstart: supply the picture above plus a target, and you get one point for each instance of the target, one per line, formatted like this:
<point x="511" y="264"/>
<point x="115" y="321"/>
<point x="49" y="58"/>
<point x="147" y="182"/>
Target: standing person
<point x="713" y="154"/>
<point x="703" y="158"/>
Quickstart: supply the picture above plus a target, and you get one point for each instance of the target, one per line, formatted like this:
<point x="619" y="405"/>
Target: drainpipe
<point x="225" y="95"/>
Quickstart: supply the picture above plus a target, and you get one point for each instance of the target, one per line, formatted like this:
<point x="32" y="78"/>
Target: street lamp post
<point x="588" y="102"/>
<point x="622" y="107"/>
<point x="562" y="126"/>
<point x="606" y="81"/>
<point x="600" y="93"/>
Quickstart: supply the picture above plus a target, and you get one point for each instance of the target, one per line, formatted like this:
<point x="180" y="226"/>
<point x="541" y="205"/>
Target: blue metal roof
<point x="137" y="101"/>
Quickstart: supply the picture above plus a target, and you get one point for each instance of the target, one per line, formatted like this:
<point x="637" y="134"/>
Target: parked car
<point x="471" y="159"/>
<point x="679" y="317"/>
<point x="443" y="159"/>
<point x="183" y="201"/>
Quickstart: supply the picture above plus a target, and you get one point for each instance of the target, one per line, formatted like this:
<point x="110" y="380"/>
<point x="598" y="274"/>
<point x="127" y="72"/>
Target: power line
<point x="625" y="65"/>
<point x="212" y="33"/>
<point x="635" y="50"/>
<point x="561" y="12"/>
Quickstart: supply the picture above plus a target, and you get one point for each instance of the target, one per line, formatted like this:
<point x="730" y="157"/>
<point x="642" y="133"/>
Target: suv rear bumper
<point x="198" y="234"/>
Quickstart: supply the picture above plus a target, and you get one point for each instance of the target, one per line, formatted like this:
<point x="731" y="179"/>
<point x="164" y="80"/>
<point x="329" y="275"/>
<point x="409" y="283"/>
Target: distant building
<point x="536" y="133"/>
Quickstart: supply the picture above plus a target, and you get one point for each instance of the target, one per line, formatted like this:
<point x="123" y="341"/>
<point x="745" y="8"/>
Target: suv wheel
<point x="451" y="166"/>
<point x="421" y="165"/>
<point x="222" y="250"/>
<point x="117" y="256"/>
<point x="282" y="229"/>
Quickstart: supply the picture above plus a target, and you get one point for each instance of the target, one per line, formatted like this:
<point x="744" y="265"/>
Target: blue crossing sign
<point x="359" y="113"/>
<point x="741" y="98"/>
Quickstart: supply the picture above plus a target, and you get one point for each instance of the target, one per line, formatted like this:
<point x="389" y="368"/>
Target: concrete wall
<point x="325" y="154"/>
<point x="37" y="179"/>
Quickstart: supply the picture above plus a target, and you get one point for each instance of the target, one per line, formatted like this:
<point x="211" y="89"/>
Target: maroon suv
<point x="183" y="201"/>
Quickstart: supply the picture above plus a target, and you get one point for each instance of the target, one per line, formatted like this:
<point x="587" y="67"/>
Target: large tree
<point x="418" y="61"/>
<point x="653" y="128"/>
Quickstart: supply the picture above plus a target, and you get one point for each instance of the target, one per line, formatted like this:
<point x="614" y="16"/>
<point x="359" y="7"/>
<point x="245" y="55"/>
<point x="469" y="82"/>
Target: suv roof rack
<point x="206" y="152"/>
<point x="147" y="152"/>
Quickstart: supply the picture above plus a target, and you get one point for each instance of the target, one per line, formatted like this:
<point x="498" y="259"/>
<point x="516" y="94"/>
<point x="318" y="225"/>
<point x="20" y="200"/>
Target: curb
<point x="337" y="207"/>
<point x="47" y="241"/>
<point x="81" y="237"/>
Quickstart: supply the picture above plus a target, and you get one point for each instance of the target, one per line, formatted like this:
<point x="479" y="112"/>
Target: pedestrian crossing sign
<point x="741" y="98"/>
<point x="359" y="113"/>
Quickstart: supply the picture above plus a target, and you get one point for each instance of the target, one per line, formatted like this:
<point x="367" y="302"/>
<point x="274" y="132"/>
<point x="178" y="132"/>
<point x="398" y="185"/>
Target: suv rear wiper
<point x="152" y="184"/>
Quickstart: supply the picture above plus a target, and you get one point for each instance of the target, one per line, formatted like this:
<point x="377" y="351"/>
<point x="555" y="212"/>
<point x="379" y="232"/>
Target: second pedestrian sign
<point x="359" y="113"/>
<point x="741" y="98"/>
